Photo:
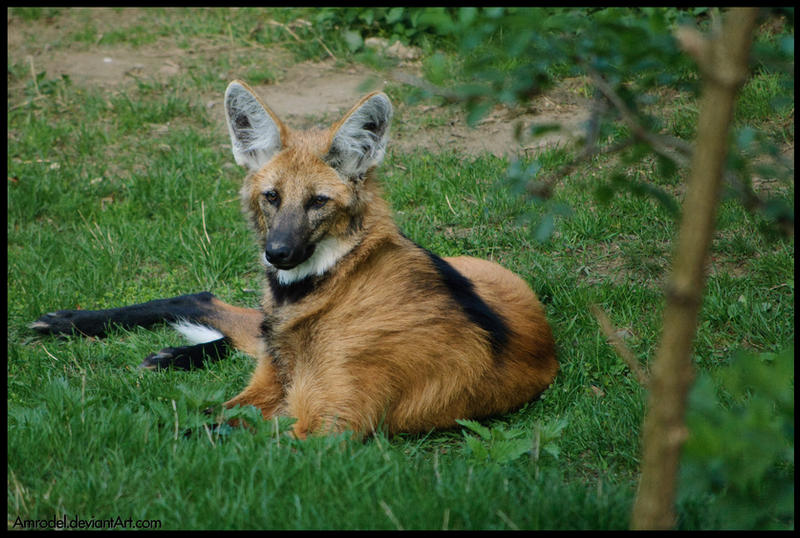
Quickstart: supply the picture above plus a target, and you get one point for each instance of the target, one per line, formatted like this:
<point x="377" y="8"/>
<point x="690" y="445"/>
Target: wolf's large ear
<point x="359" y="139"/>
<point x="256" y="133"/>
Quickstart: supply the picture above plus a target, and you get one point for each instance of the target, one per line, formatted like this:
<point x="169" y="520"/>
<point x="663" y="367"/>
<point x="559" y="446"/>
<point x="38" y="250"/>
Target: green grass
<point x="107" y="207"/>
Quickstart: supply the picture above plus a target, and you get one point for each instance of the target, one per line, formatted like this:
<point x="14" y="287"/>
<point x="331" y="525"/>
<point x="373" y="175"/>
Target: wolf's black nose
<point x="279" y="255"/>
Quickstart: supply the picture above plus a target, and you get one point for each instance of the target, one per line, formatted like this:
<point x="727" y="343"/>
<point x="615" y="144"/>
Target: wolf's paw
<point x="185" y="357"/>
<point x="60" y="322"/>
<point x="161" y="360"/>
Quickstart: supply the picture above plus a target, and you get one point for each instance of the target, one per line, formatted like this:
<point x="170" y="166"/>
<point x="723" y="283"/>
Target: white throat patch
<point x="326" y="253"/>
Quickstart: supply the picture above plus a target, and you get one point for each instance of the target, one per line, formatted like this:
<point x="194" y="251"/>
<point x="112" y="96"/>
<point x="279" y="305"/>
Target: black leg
<point x="96" y="322"/>
<point x="187" y="357"/>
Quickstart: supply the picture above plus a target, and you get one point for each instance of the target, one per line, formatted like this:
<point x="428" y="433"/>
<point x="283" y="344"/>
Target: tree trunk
<point x="723" y="63"/>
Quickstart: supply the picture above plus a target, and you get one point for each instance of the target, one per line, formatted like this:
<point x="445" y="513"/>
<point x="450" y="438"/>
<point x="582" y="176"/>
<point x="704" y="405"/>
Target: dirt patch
<point x="495" y="133"/>
<point x="111" y="67"/>
<point x="304" y="94"/>
<point x="317" y="90"/>
<point x="317" y="93"/>
<point x="312" y="93"/>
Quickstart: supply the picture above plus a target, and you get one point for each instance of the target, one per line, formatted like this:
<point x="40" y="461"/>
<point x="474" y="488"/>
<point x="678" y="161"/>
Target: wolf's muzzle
<point x="285" y="256"/>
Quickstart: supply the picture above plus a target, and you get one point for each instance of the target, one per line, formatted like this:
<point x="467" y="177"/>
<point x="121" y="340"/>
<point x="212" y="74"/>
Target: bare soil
<point x="303" y="94"/>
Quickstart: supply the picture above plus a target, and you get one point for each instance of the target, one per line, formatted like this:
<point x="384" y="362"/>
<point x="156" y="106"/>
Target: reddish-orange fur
<point x="359" y="327"/>
<point x="379" y="341"/>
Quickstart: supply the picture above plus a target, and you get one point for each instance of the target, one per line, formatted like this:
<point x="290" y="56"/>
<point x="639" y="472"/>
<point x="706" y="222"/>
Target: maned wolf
<point x="359" y="326"/>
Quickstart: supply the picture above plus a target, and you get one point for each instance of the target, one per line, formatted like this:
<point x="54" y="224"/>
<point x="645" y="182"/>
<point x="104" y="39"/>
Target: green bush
<point x="737" y="470"/>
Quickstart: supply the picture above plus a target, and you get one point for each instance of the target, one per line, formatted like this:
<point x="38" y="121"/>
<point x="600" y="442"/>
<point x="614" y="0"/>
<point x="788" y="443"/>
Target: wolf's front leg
<point x="264" y="390"/>
<point x="215" y="327"/>
<point x="187" y="357"/>
<point x="193" y="307"/>
<point x="332" y="400"/>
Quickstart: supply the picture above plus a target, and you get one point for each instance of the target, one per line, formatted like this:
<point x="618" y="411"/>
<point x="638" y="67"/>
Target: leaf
<point x="476" y="448"/>
<point x="394" y="15"/>
<point x="666" y="167"/>
<point x="437" y="68"/>
<point x="741" y="440"/>
<point x="545" y="228"/>
<point x="198" y="400"/>
<point x="438" y="19"/>
<point x="476" y="427"/>
<point x="367" y="16"/>
<point x="787" y="45"/>
<point x="665" y="199"/>
<point x="509" y="450"/>
<point x="466" y="15"/>
<point x="603" y="193"/>
<point x="745" y="137"/>
<point x="552" y="430"/>
<point x="500" y="434"/>
<point x="249" y="413"/>
<point x="354" y="40"/>
<point x="539" y="129"/>
<point x="552" y="449"/>
<point x="477" y="112"/>
<point x="284" y="423"/>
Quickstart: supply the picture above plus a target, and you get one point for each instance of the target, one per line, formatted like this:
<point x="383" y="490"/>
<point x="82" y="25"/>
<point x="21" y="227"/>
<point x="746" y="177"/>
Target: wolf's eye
<point x="272" y="197"/>
<point x="318" y="202"/>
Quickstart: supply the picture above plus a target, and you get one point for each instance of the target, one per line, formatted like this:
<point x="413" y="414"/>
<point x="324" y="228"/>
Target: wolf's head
<point x="305" y="189"/>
